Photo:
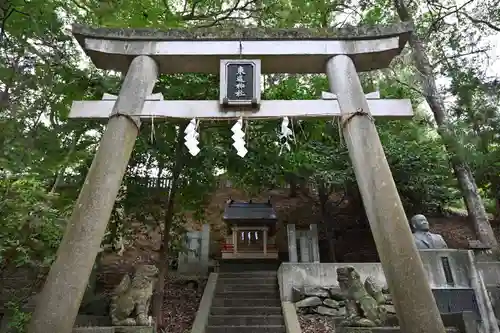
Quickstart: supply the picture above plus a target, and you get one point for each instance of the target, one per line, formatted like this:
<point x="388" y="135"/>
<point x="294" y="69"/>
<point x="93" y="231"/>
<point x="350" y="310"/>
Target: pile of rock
<point x="327" y="301"/>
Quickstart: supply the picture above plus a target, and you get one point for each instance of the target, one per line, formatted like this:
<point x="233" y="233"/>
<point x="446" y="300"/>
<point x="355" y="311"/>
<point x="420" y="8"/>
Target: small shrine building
<point x="251" y="230"/>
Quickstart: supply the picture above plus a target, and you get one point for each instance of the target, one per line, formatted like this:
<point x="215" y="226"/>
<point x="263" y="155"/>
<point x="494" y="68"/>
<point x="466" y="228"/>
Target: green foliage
<point x="178" y="233"/>
<point x="319" y="155"/>
<point x="18" y="319"/>
<point x="419" y="166"/>
<point x="31" y="226"/>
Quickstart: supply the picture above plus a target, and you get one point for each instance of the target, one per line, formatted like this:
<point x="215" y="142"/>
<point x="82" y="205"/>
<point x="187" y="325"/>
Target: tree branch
<point x="479" y="21"/>
<point x="456" y="56"/>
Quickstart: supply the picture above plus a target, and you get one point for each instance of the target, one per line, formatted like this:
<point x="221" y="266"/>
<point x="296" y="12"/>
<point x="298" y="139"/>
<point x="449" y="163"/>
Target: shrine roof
<point x="240" y="33"/>
<point x="235" y="211"/>
<point x="280" y="50"/>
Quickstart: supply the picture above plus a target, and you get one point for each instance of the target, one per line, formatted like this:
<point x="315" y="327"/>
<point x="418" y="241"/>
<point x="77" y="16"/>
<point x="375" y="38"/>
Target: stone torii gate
<point x="143" y="54"/>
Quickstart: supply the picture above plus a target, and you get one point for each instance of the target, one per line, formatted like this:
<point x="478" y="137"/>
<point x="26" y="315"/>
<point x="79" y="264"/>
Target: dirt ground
<point x="313" y="323"/>
<point x="180" y="303"/>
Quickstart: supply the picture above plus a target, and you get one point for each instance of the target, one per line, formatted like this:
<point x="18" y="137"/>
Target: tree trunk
<point x="60" y="172"/>
<point x="293" y="187"/>
<point x="497" y="205"/>
<point x="167" y="222"/>
<point x="323" y="195"/>
<point x="467" y="183"/>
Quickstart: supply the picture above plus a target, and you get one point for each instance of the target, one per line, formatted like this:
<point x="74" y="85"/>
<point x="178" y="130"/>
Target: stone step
<point x="237" y="295"/>
<point x="245" y="311"/>
<point x="248" y="265"/>
<point x="254" y="274"/>
<point x="256" y="280"/>
<point x="228" y="320"/>
<point x="114" y="329"/>
<point x="232" y="262"/>
<point x="248" y="302"/>
<point x="271" y="287"/>
<point x="247" y="268"/>
<point x="246" y="329"/>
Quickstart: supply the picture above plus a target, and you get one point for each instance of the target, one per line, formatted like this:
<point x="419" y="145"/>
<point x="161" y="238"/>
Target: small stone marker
<point x="447" y="271"/>
<point x="196" y="258"/>
<point x="307" y="241"/>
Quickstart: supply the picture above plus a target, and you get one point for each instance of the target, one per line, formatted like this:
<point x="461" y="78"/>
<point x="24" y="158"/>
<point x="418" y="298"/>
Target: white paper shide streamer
<point x="285" y="135"/>
<point x="191" y="137"/>
<point x="239" y="138"/>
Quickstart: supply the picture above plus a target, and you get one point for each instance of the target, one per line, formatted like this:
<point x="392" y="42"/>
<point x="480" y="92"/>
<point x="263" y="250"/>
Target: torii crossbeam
<point x="159" y="109"/>
<point x="145" y="53"/>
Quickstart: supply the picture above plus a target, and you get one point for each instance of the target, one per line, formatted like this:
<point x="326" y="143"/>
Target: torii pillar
<point x="58" y="304"/>
<point x="344" y="52"/>
<point x="403" y="268"/>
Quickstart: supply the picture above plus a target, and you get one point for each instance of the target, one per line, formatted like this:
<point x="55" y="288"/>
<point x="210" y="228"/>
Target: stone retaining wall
<point x="456" y="279"/>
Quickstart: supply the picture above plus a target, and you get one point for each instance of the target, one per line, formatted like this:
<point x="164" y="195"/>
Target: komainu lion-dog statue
<point x="364" y="302"/>
<point x="131" y="298"/>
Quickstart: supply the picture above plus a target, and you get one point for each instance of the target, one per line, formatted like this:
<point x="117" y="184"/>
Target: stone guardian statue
<point x="424" y="239"/>
<point x="131" y="298"/>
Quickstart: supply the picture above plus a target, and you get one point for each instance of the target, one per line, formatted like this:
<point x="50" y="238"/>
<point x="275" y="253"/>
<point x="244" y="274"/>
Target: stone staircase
<point x="248" y="265"/>
<point x="246" y="298"/>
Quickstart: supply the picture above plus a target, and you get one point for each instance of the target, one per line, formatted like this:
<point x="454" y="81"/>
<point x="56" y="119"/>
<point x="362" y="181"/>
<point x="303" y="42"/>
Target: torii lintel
<point x="281" y="50"/>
